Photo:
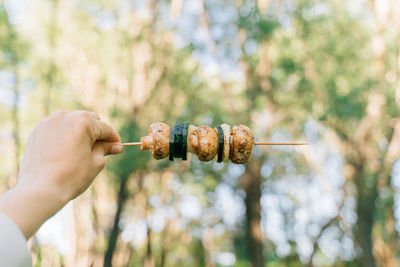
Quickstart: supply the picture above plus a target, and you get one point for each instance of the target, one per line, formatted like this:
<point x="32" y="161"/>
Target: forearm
<point x="29" y="208"/>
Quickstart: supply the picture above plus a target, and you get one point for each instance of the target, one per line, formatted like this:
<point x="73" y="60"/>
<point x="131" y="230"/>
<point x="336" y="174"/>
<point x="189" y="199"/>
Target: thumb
<point x="107" y="148"/>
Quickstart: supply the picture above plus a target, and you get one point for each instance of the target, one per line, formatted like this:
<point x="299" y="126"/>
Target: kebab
<point x="220" y="142"/>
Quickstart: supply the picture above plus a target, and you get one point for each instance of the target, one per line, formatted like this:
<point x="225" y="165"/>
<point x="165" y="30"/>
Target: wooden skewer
<point x="132" y="144"/>
<point x="256" y="143"/>
<point x="281" y="144"/>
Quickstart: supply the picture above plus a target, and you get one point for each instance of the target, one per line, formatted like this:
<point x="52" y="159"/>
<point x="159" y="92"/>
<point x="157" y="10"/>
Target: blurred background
<point x="323" y="71"/>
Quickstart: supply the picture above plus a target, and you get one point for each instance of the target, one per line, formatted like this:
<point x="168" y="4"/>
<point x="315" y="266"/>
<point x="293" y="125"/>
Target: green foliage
<point x="256" y="26"/>
<point x="12" y="49"/>
<point x="132" y="159"/>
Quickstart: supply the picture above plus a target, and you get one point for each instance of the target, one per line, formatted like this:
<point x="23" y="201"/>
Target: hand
<point x="64" y="153"/>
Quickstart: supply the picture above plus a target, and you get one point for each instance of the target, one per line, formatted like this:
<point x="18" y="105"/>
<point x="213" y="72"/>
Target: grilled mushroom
<point x="157" y="140"/>
<point x="204" y="142"/>
<point x="241" y="144"/>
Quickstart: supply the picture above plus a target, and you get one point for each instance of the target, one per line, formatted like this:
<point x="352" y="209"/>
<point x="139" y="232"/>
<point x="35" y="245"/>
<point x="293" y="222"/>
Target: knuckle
<point x="59" y="113"/>
<point x="79" y="114"/>
<point x="85" y="114"/>
<point x="82" y="113"/>
<point x="95" y="115"/>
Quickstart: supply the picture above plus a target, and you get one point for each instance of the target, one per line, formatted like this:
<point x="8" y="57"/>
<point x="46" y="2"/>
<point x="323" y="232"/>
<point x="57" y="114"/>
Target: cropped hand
<point x="64" y="153"/>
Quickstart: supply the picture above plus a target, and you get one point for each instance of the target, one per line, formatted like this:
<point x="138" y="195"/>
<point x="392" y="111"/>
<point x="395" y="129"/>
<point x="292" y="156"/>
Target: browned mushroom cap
<point x="157" y="140"/>
<point x="242" y="140"/>
<point x="204" y="142"/>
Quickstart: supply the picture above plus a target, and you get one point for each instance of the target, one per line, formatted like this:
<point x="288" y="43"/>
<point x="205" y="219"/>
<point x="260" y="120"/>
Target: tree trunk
<point x="165" y="244"/>
<point x="163" y="257"/>
<point x="148" y="259"/>
<point x="51" y="67"/>
<point x="251" y="182"/>
<point x="122" y="196"/>
<point x="367" y="195"/>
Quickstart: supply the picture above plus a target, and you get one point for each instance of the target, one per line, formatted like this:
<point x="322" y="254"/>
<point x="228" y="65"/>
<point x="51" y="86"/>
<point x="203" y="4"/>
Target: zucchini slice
<point x="220" y="143"/>
<point x="171" y="144"/>
<point x="184" y="140"/>
<point x="178" y="138"/>
<point x="227" y="133"/>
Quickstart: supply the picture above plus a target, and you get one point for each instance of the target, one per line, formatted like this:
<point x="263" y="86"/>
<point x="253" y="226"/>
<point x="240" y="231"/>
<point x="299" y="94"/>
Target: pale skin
<point x="63" y="155"/>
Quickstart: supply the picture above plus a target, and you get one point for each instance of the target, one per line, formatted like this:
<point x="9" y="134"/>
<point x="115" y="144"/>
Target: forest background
<point x="323" y="71"/>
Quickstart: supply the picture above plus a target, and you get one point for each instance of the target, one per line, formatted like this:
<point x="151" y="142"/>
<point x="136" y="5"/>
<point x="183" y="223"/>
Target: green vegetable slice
<point x="220" y="143"/>
<point x="178" y="140"/>
<point x="184" y="140"/>
<point x="171" y="144"/>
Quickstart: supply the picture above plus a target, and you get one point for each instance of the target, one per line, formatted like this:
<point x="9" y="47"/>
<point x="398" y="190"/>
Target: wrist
<point x="30" y="205"/>
<point x="43" y="187"/>
<point x="47" y="196"/>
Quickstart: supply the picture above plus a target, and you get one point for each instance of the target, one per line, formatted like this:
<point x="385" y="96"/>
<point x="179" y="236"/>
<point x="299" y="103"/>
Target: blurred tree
<point x="277" y="66"/>
<point x="313" y="76"/>
<point x="12" y="53"/>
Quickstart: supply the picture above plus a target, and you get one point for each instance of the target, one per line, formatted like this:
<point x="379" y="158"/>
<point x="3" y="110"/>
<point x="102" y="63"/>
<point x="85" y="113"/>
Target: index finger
<point x="104" y="132"/>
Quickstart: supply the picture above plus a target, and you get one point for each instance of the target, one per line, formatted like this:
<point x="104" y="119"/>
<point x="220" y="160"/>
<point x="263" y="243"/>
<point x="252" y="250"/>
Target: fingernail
<point x="116" y="149"/>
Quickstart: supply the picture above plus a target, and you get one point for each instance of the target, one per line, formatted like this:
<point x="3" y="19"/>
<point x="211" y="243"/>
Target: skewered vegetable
<point x="157" y="140"/>
<point x="220" y="143"/>
<point x="241" y="144"/>
<point x="207" y="143"/>
<point x="227" y="133"/>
